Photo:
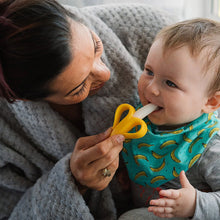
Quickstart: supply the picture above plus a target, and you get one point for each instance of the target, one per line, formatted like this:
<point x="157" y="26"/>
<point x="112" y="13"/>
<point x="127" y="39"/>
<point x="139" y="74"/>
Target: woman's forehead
<point x="80" y="34"/>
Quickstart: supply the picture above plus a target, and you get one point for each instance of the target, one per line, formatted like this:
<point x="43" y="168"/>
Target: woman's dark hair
<point x="34" y="47"/>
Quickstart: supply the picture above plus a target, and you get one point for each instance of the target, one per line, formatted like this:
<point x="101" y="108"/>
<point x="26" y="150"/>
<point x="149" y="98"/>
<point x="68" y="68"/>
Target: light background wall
<point x="182" y="9"/>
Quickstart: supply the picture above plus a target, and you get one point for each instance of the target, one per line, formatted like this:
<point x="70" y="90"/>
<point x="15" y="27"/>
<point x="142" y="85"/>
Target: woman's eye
<point x="81" y="91"/>
<point x="149" y="72"/>
<point x="171" y="84"/>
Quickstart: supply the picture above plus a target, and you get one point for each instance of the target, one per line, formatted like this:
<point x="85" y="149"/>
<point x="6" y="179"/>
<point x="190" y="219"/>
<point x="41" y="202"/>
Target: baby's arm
<point x="208" y="170"/>
<point x="175" y="203"/>
<point x="208" y="203"/>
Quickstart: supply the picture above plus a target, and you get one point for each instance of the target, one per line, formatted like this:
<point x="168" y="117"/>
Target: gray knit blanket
<point x="36" y="142"/>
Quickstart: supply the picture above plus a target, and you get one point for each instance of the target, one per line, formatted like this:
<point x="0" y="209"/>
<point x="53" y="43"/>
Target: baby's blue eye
<point x="171" y="84"/>
<point x="149" y="72"/>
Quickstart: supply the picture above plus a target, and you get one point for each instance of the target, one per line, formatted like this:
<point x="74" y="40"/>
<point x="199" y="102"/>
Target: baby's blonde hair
<point x="197" y="34"/>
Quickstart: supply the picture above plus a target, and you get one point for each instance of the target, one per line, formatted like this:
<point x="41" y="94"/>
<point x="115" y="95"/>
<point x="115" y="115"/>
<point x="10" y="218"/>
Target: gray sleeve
<point x="208" y="203"/>
<point x="207" y="206"/>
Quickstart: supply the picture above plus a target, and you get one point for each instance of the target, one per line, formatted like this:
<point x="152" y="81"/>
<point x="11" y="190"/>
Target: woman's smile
<point x="95" y="89"/>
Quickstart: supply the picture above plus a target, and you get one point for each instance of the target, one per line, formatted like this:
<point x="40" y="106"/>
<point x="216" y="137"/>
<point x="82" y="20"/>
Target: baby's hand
<point x="175" y="203"/>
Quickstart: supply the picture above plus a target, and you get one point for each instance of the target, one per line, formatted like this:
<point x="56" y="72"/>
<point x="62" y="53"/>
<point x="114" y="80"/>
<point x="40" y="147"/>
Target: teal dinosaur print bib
<point x="160" y="156"/>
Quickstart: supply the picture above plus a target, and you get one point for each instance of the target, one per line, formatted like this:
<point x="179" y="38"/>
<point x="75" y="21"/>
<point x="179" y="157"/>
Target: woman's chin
<point x="93" y="92"/>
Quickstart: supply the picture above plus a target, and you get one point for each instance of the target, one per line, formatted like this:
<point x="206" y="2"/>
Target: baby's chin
<point x="162" y="124"/>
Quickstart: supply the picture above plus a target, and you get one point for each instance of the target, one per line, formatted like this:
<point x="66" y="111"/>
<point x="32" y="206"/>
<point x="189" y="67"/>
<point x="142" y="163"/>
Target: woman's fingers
<point x="104" y="153"/>
<point x="96" y="180"/>
<point x="105" y="150"/>
<point x="85" y="142"/>
<point x="94" y="153"/>
<point x="100" y="156"/>
<point x="101" y="182"/>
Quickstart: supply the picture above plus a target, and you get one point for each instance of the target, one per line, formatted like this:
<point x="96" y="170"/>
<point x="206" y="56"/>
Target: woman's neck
<point x="72" y="113"/>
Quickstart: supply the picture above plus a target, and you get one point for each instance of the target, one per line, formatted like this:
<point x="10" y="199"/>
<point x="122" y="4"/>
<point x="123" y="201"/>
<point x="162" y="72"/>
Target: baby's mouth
<point x="158" y="107"/>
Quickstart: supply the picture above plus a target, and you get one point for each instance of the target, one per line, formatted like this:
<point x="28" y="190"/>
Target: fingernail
<point x="120" y="138"/>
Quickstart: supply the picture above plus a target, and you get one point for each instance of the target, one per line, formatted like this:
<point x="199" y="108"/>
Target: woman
<point x="50" y="68"/>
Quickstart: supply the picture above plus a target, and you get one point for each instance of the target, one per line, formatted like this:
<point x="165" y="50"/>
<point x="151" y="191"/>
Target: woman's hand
<point x="175" y="203"/>
<point x="91" y="155"/>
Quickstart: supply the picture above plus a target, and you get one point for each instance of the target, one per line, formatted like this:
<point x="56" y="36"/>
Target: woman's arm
<point x="57" y="195"/>
<point x="35" y="176"/>
<point x="92" y="155"/>
<point x="53" y="196"/>
<point x="33" y="185"/>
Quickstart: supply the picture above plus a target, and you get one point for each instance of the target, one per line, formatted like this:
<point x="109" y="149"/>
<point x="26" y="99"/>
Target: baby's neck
<point x="170" y="127"/>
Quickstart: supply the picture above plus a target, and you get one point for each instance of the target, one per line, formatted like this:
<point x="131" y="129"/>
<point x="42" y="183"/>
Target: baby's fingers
<point x="164" y="215"/>
<point x="170" y="193"/>
<point x="160" y="210"/>
<point x="164" y="202"/>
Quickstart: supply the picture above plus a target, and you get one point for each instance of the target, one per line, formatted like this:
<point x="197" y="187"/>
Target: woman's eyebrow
<point x="77" y="86"/>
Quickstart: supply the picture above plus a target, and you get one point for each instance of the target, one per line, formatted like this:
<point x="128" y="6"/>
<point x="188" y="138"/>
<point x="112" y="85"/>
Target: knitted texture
<point x="36" y="142"/>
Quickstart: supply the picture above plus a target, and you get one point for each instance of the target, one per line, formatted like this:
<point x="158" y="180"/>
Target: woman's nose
<point x="100" y="71"/>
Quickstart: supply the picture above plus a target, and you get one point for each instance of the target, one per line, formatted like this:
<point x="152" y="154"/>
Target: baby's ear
<point x="213" y="103"/>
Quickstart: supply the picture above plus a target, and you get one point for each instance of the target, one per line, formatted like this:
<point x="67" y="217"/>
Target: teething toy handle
<point x="130" y="121"/>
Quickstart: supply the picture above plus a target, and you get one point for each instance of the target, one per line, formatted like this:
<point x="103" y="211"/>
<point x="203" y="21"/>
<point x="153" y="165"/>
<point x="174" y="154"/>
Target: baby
<point x="182" y="77"/>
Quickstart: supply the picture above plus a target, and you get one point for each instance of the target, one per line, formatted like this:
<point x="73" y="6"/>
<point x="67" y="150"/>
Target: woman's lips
<point x="94" y="90"/>
<point x="97" y="87"/>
